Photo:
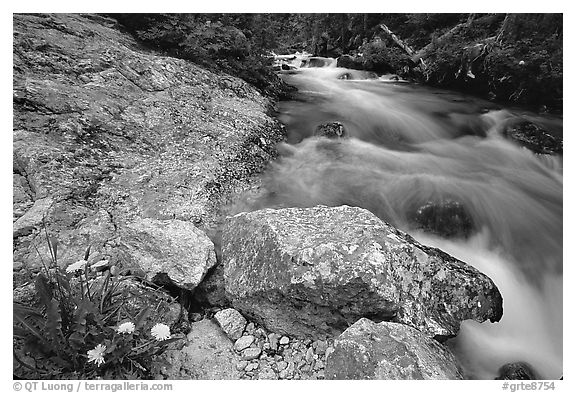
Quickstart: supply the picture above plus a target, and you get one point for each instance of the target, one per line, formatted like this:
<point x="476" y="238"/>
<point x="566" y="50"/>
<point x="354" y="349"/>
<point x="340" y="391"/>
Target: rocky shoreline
<point x="134" y="155"/>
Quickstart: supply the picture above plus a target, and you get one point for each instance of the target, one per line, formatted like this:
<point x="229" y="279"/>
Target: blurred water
<point x="408" y="145"/>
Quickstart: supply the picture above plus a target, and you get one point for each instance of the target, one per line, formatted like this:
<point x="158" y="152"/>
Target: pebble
<point x="267" y="373"/>
<point x="273" y="340"/>
<point x="320" y="347"/>
<point x="309" y="355"/>
<point x="241" y="365"/>
<point x="195" y="317"/>
<point x="251" y="367"/>
<point x="250" y="328"/>
<point x="243" y="342"/>
<point x="284" y="340"/>
<point x="281" y="365"/>
<point x="251" y="353"/>
<point x="329" y="350"/>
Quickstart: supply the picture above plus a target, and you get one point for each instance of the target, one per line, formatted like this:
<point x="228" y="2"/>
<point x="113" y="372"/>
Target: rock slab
<point x="313" y="272"/>
<point x="388" y="350"/>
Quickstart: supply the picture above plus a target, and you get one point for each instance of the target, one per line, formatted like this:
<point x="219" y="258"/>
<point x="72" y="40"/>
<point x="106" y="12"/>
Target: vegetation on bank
<point x="510" y="58"/>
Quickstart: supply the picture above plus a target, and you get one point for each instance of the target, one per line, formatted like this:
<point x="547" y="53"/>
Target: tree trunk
<point x="397" y="40"/>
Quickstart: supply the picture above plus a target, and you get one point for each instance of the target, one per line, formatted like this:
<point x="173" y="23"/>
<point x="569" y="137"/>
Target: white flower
<point x="126" y="327"/>
<point x="76" y="266"/>
<point x="160" y="332"/>
<point x="96" y="355"/>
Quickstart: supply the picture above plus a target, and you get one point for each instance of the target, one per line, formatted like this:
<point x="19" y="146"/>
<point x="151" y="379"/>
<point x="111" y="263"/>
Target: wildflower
<point x="126" y="327"/>
<point x="76" y="266"/>
<point x="96" y="355"/>
<point x="161" y="332"/>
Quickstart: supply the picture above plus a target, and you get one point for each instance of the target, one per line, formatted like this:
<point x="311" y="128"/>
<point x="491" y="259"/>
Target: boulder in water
<point x="534" y="137"/>
<point x="313" y="272"/>
<point x="447" y="218"/>
<point x="517" y="370"/>
<point x="347" y="61"/>
<point x="387" y="350"/>
<point x="333" y="129"/>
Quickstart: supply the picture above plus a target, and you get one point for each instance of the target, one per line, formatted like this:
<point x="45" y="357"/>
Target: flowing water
<point x="406" y="146"/>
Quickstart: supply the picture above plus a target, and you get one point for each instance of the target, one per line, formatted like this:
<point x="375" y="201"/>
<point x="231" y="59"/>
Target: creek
<point x="407" y="146"/>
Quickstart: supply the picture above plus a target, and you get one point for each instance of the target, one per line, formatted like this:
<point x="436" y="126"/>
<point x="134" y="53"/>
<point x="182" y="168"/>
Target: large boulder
<point x="106" y="132"/>
<point x="387" y="350"/>
<point x="315" y="271"/>
<point x="347" y="61"/>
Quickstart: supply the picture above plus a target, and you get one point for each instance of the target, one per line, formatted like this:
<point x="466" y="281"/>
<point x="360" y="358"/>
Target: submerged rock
<point x="445" y="218"/>
<point x="533" y="137"/>
<point x="333" y="129"/>
<point x="313" y="272"/>
<point x="517" y="370"/>
<point x="388" y="350"/>
<point x="347" y="61"/>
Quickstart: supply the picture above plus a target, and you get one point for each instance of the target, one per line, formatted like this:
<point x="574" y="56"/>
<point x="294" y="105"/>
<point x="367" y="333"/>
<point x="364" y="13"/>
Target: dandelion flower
<point x="76" y="266"/>
<point x="161" y="332"/>
<point x="126" y="327"/>
<point x="96" y="355"/>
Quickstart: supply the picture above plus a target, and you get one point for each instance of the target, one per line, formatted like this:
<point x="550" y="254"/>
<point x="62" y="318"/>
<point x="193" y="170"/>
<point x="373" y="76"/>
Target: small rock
<point x="320" y="347"/>
<point x="243" y="342"/>
<point x="329" y="350"/>
<point x="284" y="340"/>
<point x="260" y="332"/>
<point x="321" y="374"/>
<point x="331" y="130"/>
<point x="195" y="317"/>
<point x="251" y="367"/>
<point x="309" y="355"/>
<point x="251" y="353"/>
<point x="232" y="322"/>
<point x="273" y="340"/>
<point x="281" y="365"/>
<point x="250" y="328"/>
<point x="241" y="365"/>
<point x="283" y="374"/>
<point x="267" y="373"/>
<point x="319" y="365"/>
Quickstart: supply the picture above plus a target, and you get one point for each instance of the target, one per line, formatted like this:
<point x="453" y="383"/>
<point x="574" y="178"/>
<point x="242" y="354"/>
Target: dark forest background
<point x="509" y="58"/>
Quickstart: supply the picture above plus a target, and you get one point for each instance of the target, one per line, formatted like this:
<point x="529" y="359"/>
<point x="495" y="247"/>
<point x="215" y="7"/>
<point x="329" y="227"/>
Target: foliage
<point x="517" y="64"/>
<point x="78" y="311"/>
<point x="238" y="44"/>
<point x="382" y="59"/>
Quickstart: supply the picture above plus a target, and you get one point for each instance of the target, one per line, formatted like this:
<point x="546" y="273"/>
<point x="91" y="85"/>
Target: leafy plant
<point x="76" y="327"/>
